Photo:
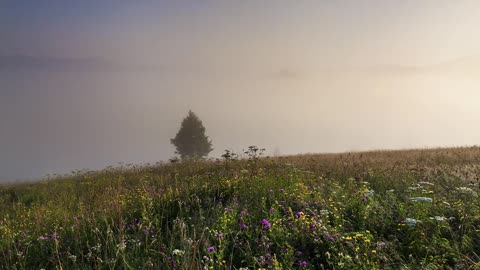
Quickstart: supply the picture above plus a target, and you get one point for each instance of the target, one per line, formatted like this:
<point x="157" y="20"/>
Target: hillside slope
<point x="367" y="210"/>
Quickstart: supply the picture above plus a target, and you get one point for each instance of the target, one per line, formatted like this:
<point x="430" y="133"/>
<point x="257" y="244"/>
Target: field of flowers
<point x="415" y="209"/>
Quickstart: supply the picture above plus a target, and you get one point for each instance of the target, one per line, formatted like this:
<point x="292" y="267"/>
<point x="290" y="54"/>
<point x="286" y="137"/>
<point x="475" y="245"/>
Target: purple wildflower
<point x="138" y="222"/>
<point x="53" y="236"/>
<point x="149" y="231"/>
<point x="302" y="263"/>
<point x="282" y="190"/>
<point x="43" y="238"/>
<point x="265" y="224"/>
<point x="220" y="235"/>
<point x="269" y="258"/>
<point x="211" y="249"/>
<point x="243" y="227"/>
<point x="172" y="262"/>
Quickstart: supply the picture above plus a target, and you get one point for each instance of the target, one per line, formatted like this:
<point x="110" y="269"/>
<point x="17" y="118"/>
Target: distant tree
<point x="191" y="141"/>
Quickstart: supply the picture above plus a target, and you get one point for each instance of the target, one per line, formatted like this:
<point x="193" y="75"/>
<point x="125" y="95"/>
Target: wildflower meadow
<point x="412" y="209"/>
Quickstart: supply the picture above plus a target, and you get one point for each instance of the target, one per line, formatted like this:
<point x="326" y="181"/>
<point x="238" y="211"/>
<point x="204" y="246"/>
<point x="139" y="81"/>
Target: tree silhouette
<point x="190" y="141"/>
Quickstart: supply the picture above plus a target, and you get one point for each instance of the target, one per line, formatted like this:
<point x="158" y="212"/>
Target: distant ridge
<point x="27" y="62"/>
<point x="467" y="64"/>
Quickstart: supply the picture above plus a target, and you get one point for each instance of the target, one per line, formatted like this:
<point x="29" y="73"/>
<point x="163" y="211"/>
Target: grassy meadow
<point x="412" y="209"/>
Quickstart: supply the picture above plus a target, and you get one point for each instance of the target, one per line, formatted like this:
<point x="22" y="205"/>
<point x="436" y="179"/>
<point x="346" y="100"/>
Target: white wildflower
<point x="369" y="192"/>
<point x="324" y="212"/>
<point x="97" y="247"/>
<point x="421" y="199"/>
<point x="439" y="218"/>
<point x="73" y="258"/>
<point x="178" y="252"/>
<point x="425" y="183"/>
<point x="412" y="222"/>
<point x="467" y="191"/>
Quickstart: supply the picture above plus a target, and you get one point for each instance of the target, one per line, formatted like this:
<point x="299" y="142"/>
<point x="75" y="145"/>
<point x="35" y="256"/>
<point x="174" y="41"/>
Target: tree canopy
<point x="191" y="141"/>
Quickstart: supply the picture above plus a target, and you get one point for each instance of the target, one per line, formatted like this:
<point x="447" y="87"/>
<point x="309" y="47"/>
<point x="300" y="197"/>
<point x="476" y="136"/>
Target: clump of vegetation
<point x="416" y="209"/>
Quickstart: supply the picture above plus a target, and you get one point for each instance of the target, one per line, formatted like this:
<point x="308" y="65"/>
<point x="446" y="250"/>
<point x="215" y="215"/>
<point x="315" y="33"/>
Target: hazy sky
<point x="87" y="84"/>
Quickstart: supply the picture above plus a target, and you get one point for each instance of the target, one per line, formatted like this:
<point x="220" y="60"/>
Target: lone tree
<point x="190" y="141"/>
